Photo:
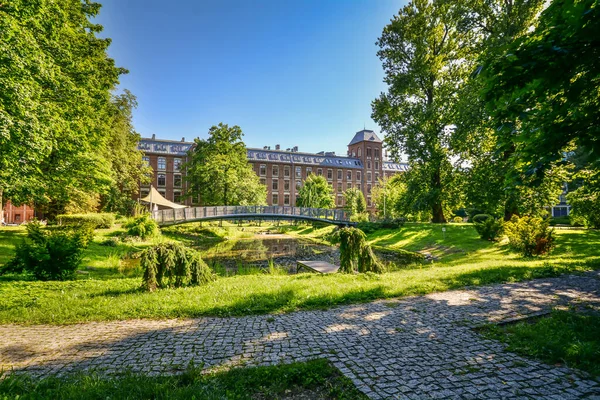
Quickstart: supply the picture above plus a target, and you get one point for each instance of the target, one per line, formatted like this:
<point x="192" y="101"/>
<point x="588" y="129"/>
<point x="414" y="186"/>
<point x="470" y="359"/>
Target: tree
<point x="219" y="172"/>
<point x="355" y="201"/>
<point x="426" y="59"/>
<point x="315" y="193"/>
<point x="389" y="197"/>
<point x="55" y="91"/>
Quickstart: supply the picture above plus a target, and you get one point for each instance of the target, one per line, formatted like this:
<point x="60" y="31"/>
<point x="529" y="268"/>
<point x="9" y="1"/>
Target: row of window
<point x="369" y="153"/>
<point x="162" y="163"/>
<point x="162" y="180"/>
<point x="177" y="195"/>
<point x="286" y="200"/>
<point x="298" y="173"/>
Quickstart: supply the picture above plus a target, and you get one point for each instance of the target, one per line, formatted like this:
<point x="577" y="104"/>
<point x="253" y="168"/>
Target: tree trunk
<point x="510" y="207"/>
<point x="1" y="207"/>
<point x="436" y="208"/>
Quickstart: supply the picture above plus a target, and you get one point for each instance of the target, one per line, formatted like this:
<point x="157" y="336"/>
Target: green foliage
<point x="426" y="59"/>
<point x="563" y="337"/>
<point x="50" y="255"/>
<point x="143" y="226"/>
<point x="490" y="228"/>
<point x="480" y="218"/>
<point x="355" y="201"/>
<point x="173" y="265"/>
<point x="361" y="217"/>
<point x="457" y="219"/>
<point x="355" y="252"/>
<point x="529" y="235"/>
<point x="316" y="193"/>
<point x="585" y="200"/>
<point x="219" y="172"/>
<point x="389" y="223"/>
<point x="96" y="220"/>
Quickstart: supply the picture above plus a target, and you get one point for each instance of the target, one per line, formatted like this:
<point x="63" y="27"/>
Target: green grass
<point x="314" y="379"/>
<point x="107" y="293"/>
<point x="564" y="337"/>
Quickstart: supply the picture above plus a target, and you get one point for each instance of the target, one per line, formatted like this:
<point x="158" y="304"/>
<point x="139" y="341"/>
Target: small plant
<point x="111" y="242"/>
<point x="173" y="265"/>
<point x="479" y="218"/>
<point x="530" y="235"/>
<point x="143" y="227"/>
<point x="50" y="255"/>
<point x="355" y="253"/>
<point x="490" y="228"/>
<point x="457" y="219"/>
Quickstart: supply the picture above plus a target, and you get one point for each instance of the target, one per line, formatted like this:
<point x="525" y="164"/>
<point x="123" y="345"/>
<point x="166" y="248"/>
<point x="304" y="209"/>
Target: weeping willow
<point x="173" y="265"/>
<point x="355" y="253"/>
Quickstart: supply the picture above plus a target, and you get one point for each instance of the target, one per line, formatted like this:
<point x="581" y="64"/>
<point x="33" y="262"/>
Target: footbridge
<point x="241" y="213"/>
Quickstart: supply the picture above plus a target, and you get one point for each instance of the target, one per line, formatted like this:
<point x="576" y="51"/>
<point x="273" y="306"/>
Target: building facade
<point x="16" y="215"/>
<point x="282" y="171"/>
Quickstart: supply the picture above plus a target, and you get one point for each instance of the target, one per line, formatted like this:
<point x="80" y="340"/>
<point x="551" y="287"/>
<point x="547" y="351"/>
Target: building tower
<point x="367" y="147"/>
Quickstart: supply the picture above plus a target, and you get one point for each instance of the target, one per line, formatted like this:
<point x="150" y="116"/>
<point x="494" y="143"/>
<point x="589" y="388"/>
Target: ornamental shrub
<point x="96" y="220"/>
<point x="143" y="227"/>
<point x="529" y="235"/>
<point x="173" y="265"/>
<point x="490" y="228"/>
<point x="480" y="218"/>
<point x="50" y="254"/>
<point x="355" y="253"/>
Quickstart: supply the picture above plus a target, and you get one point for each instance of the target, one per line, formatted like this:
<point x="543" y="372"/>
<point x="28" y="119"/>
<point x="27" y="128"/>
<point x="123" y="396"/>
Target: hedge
<point x="99" y="220"/>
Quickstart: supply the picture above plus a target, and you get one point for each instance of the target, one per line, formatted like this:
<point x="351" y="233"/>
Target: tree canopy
<point x="218" y="170"/>
<point x="315" y="193"/>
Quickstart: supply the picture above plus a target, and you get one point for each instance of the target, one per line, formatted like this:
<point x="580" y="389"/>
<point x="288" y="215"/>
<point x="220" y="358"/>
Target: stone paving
<point x="413" y="348"/>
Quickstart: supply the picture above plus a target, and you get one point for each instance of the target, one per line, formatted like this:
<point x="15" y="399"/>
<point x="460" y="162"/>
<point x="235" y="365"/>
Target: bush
<point x="50" y="255"/>
<point x="457" y="219"/>
<point x="98" y="220"/>
<point x="370" y="227"/>
<point x="355" y="252"/>
<point x="490" y="228"/>
<point x="173" y="265"/>
<point x="480" y="218"/>
<point x="529" y="235"/>
<point x="359" y="217"/>
<point x="143" y="227"/>
<point x="564" y="220"/>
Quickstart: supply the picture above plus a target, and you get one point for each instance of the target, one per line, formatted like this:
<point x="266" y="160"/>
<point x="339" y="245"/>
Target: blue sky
<point x="287" y="72"/>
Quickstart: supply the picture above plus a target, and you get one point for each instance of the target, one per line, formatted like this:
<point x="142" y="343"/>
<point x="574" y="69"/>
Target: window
<point x="163" y="193"/>
<point x="298" y="172"/>
<point x="377" y="154"/>
<point x="358" y="176"/>
<point x="263" y="181"/>
<point x="320" y="171"/>
<point x="340" y="201"/>
<point x="376" y="176"/>
<point x="298" y="185"/>
<point x="275" y="170"/>
<point x="359" y="186"/>
<point x="353" y="154"/>
<point x="368" y="164"/>
<point x="286" y="199"/>
<point x="286" y="171"/>
<point x="275" y="184"/>
<point x="368" y="152"/>
<point x="369" y="176"/>
<point x="308" y="171"/>
<point x="275" y="199"/>
<point x="348" y="175"/>
<point x="368" y="188"/>
<point x="146" y="161"/>
<point x="286" y="185"/>
<point x="339" y="174"/>
<point x="177" y="197"/>
<point x="162" y="180"/>
<point x="263" y="170"/>
<point x="329" y="174"/>
<point x="144" y="193"/>
<point x="368" y="201"/>
<point x="177" y="164"/>
<point x="348" y="185"/>
<point x="340" y="187"/>
<point x="376" y="164"/>
<point x="162" y="163"/>
<point x="177" y="180"/>
<point x="359" y="152"/>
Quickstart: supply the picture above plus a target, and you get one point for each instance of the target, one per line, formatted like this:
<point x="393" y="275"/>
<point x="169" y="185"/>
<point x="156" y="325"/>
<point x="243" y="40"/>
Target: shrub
<point x="480" y="218"/>
<point x="360" y="217"/>
<point x="143" y="227"/>
<point x="457" y="219"/>
<point x="370" y="227"/>
<point x="490" y="228"/>
<point x="173" y="265"/>
<point x="529" y="235"/>
<point x="50" y="255"/>
<point x="98" y="220"/>
<point x="355" y="253"/>
<point x="564" y="220"/>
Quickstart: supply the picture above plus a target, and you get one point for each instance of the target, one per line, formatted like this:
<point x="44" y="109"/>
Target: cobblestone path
<point x="418" y="347"/>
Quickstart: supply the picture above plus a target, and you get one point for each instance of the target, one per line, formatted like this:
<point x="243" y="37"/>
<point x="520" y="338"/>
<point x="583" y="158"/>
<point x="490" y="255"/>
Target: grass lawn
<point x="110" y="292"/>
<point x="311" y="380"/>
<point x="564" y="337"/>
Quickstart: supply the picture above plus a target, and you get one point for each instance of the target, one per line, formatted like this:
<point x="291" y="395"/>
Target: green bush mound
<point x="489" y="228"/>
<point x="355" y="253"/>
<point x="400" y="256"/>
<point x="50" y="254"/>
<point x="97" y="220"/>
<point x="143" y="227"/>
<point x="479" y="218"/>
<point x="530" y="235"/>
<point x="389" y="223"/>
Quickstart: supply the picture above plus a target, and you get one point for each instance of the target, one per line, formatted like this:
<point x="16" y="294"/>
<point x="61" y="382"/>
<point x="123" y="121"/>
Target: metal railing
<point x="245" y="212"/>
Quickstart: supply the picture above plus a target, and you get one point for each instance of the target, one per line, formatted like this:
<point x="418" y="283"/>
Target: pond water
<point x="260" y="249"/>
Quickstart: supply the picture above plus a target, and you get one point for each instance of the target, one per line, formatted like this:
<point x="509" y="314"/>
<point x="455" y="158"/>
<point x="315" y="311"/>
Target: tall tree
<point x="55" y="85"/>
<point x="426" y="59"/>
<point x="355" y="201"/>
<point x="218" y="170"/>
<point x="315" y="193"/>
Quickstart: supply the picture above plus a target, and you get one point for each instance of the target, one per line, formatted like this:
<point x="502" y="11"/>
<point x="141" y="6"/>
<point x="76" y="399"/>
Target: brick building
<point x="281" y="171"/>
<point x="16" y="214"/>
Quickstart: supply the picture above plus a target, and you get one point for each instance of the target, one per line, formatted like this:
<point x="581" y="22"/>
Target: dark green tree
<point x="355" y="201"/>
<point x="219" y="172"/>
<point x="315" y="193"/>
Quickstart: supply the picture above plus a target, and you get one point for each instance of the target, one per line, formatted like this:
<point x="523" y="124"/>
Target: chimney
<point x="295" y="149"/>
<point x="288" y="149"/>
<point x="277" y="147"/>
<point x="154" y="136"/>
<point x="265" y="148"/>
<point x="183" y="139"/>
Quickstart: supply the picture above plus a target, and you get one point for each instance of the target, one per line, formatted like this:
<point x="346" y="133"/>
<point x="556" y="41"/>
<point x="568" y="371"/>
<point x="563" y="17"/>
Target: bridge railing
<point x="198" y="213"/>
